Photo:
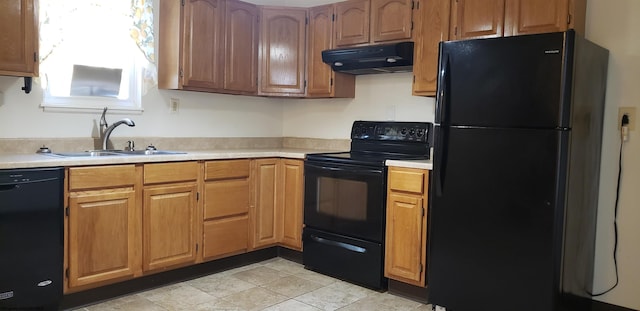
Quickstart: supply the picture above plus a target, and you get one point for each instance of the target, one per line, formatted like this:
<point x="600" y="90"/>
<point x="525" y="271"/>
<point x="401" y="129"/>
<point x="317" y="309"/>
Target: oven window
<point x="342" y="198"/>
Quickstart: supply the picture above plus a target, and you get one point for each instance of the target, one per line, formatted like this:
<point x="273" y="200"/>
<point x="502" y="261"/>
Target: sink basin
<point x="116" y="153"/>
<point x="148" y="152"/>
<point x="91" y="153"/>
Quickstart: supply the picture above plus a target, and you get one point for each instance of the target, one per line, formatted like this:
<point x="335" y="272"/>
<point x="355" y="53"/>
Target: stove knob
<point x="412" y="132"/>
<point x="403" y="131"/>
<point x="420" y="132"/>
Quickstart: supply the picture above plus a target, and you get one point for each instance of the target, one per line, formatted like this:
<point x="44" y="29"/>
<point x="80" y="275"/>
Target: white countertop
<point x="9" y="161"/>
<point x="420" y="164"/>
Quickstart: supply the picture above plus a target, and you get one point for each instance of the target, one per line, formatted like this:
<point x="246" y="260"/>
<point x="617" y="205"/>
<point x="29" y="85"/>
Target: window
<point x="96" y="53"/>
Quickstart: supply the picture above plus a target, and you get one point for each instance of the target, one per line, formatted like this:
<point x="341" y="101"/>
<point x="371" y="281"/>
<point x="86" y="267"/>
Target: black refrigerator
<point x="518" y="130"/>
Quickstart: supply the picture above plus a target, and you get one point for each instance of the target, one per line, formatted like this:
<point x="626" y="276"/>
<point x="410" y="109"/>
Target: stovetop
<point x="374" y="142"/>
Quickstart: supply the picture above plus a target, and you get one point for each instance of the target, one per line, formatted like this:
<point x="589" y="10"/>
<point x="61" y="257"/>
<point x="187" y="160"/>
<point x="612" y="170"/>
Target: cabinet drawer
<point x="225" y="236"/>
<point x="101" y="177"/>
<point x="226" y="198"/>
<point x="226" y="169"/>
<point x="170" y="172"/>
<point x="409" y="180"/>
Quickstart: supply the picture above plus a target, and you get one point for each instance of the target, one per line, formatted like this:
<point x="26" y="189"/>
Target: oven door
<point x="345" y="199"/>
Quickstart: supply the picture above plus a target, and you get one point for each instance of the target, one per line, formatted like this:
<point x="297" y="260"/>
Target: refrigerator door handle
<point x="441" y="135"/>
<point x="442" y="96"/>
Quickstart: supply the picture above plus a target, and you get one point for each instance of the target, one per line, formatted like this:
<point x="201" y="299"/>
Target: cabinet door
<point x="431" y="27"/>
<point x="292" y="182"/>
<point x="223" y="198"/>
<point x="477" y="19"/>
<point x="169" y="226"/>
<point x="320" y="38"/>
<point x="102" y="237"/>
<point x="352" y="22"/>
<point x="535" y="16"/>
<point x="264" y="218"/>
<point x="19" y="39"/>
<point x="405" y="238"/>
<point x="241" y="66"/>
<point x="282" y="51"/>
<point x="391" y="20"/>
<point x="203" y="46"/>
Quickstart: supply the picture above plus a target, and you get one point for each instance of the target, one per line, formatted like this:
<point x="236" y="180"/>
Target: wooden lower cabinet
<point x="227" y="196"/>
<point x="103" y="226"/>
<point x="406" y="228"/>
<point x="265" y="202"/>
<point x="169" y="212"/>
<point x="292" y="207"/>
<point x="278" y="202"/>
<point x="169" y="221"/>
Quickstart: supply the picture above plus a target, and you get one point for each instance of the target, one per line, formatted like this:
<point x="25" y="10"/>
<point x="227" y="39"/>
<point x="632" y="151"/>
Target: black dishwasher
<point x="31" y="238"/>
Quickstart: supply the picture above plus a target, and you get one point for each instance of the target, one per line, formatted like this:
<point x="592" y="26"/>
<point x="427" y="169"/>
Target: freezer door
<point x="505" y="82"/>
<point x="495" y="219"/>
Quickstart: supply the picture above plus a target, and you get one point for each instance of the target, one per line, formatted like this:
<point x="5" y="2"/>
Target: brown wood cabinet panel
<point x="292" y="203"/>
<point x="170" y="172"/>
<point x="477" y="19"/>
<point x="282" y="51"/>
<point x="226" y="198"/>
<point x="320" y="38"/>
<point x="102" y="237"/>
<point x="169" y="226"/>
<point x="265" y="221"/>
<point x="241" y="43"/>
<point x="225" y="169"/>
<point x="101" y="177"/>
<point x="19" y="39"/>
<point x="225" y="237"/>
<point x="535" y="16"/>
<point x="203" y="44"/>
<point x="406" y="226"/>
<point x="391" y="20"/>
<point x="322" y="80"/>
<point x="431" y="20"/>
<point x="352" y="22"/>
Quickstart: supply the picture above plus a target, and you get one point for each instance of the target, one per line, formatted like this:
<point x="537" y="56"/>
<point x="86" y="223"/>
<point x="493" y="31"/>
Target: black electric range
<point x="345" y="199"/>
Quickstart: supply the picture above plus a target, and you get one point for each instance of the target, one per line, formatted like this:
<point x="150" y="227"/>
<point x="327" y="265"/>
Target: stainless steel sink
<point x="116" y="153"/>
<point x="148" y="152"/>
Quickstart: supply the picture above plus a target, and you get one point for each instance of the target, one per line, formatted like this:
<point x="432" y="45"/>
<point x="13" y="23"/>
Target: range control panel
<point x="392" y="131"/>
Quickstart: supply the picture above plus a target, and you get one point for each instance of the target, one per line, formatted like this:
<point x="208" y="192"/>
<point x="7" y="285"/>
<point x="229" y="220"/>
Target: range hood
<point x="385" y="58"/>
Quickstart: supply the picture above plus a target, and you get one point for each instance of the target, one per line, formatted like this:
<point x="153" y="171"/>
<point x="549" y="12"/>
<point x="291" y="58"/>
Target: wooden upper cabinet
<point x="431" y="20"/>
<point x="282" y="51"/>
<point x="535" y="16"/>
<point x="322" y="81"/>
<point x="352" y="22"/>
<point x="241" y="66"/>
<point x="203" y="44"/>
<point x="391" y="20"/>
<point x="320" y="75"/>
<point x="19" y="39"/>
<point x="477" y="19"/>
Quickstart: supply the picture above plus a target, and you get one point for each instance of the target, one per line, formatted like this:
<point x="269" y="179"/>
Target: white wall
<point x="378" y="97"/>
<point x="615" y="25"/>
<point x="199" y="115"/>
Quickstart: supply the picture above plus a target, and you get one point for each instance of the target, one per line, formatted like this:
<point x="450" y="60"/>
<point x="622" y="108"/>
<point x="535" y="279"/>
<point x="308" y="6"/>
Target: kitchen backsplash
<point x="31" y="145"/>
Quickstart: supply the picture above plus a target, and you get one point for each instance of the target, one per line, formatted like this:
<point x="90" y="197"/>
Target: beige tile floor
<point x="272" y="285"/>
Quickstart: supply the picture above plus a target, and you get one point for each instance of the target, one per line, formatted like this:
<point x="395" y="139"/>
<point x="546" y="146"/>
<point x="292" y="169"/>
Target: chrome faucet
<point x="107" y="132"/>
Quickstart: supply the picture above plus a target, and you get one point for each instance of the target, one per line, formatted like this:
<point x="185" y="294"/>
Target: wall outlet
<point x="173" y="105"/>
<point x="631" y="112"/>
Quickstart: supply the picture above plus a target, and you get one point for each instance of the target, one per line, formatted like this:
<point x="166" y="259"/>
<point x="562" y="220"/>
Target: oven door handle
<point x="346" y="246"/>
<point x="341" y="168"/>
